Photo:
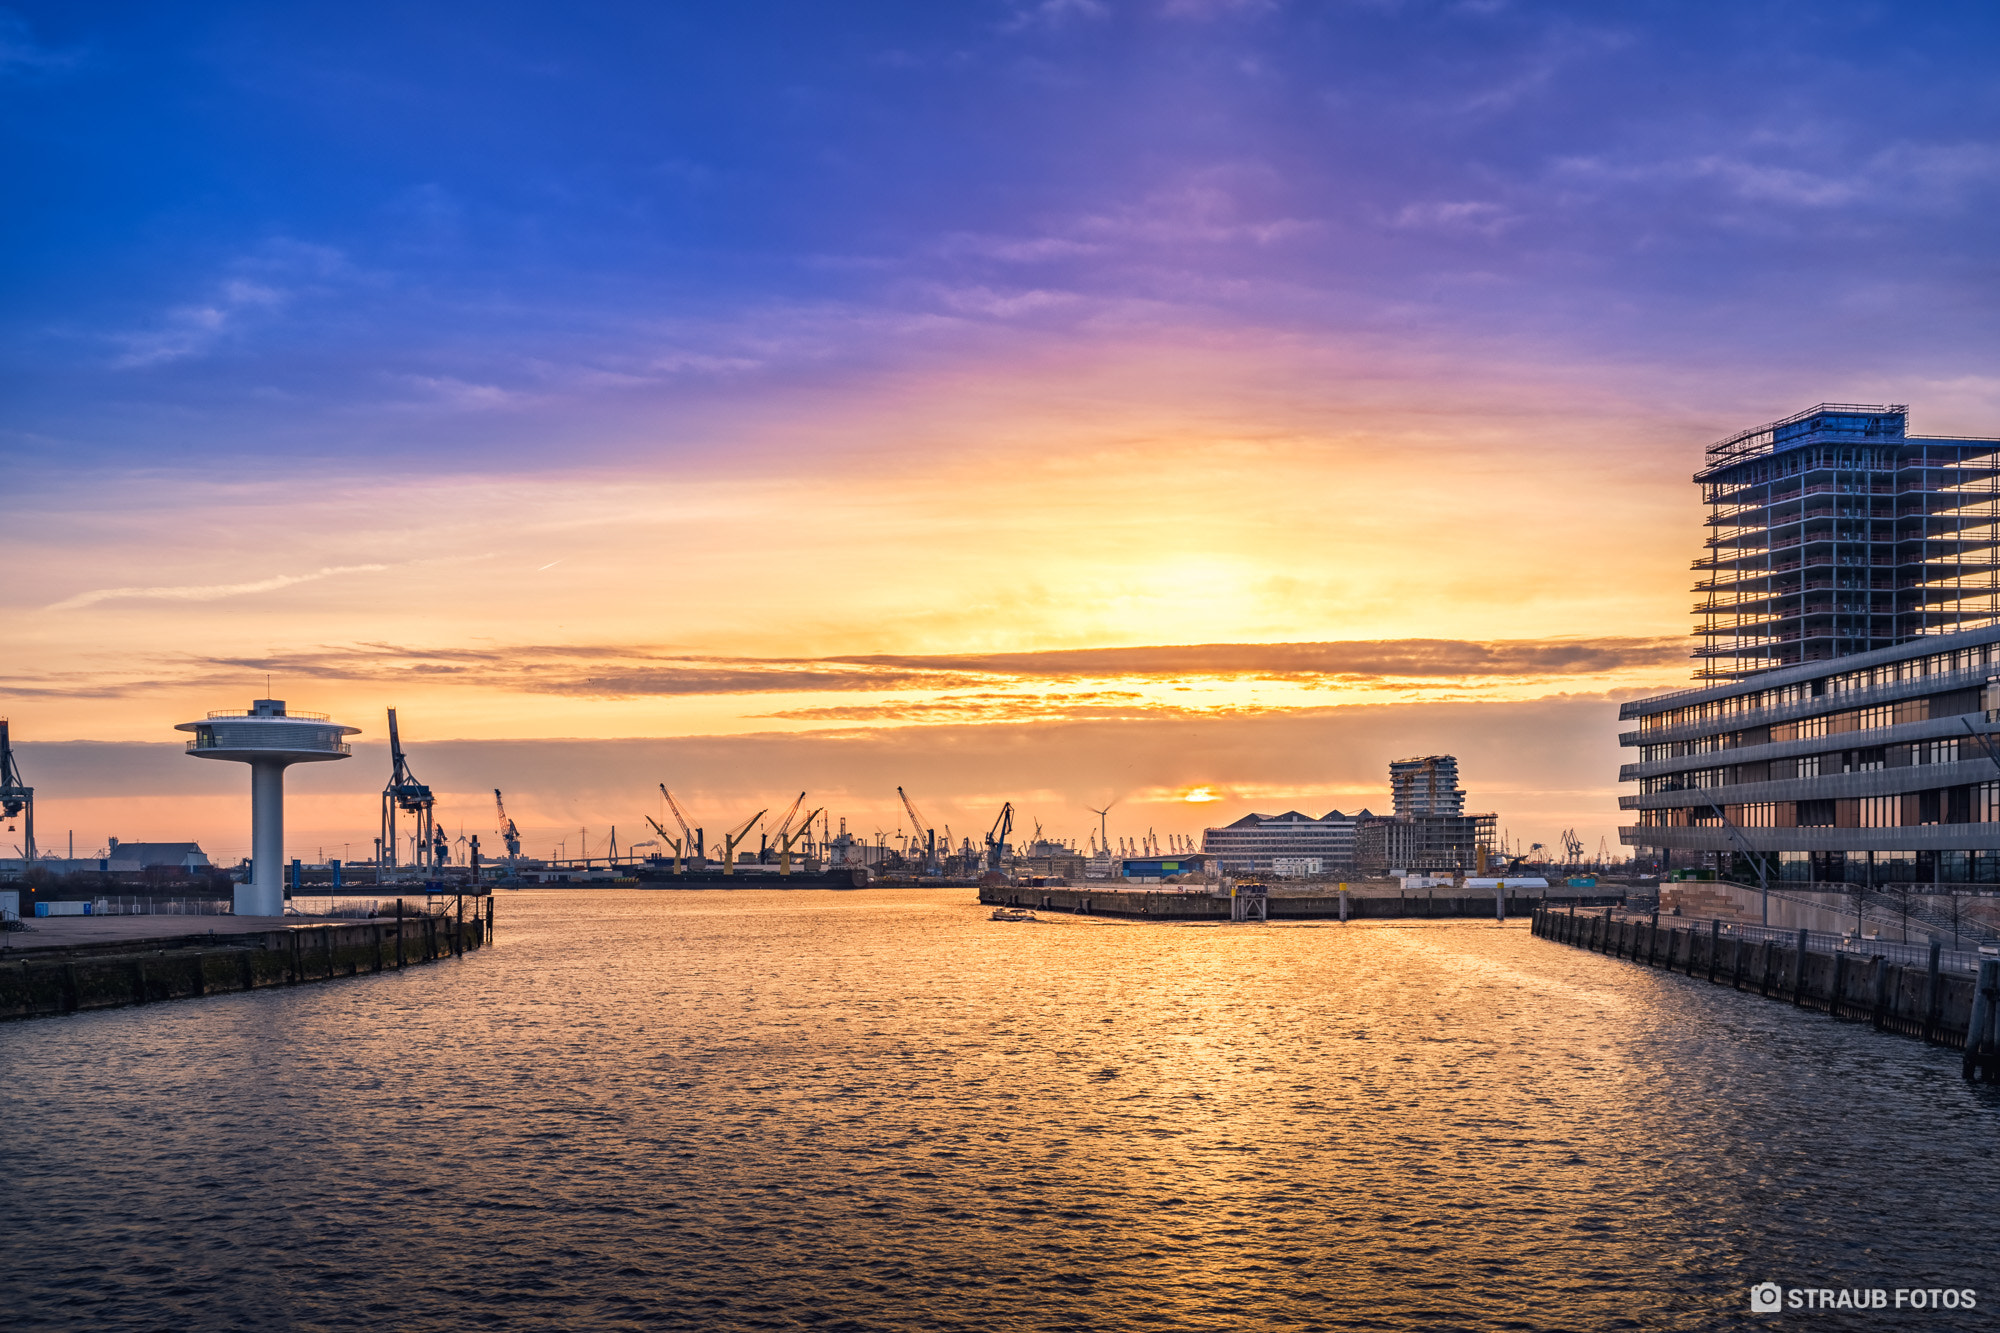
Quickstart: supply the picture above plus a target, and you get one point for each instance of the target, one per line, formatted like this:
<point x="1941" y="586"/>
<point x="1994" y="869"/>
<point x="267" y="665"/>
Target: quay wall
<point x="40" y="982"/>
<point x="1140" y="905"/>
<point x="1915" y="1000"/>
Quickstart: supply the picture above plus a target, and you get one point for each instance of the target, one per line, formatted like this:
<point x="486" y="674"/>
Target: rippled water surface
<point x="877" y="1110"/>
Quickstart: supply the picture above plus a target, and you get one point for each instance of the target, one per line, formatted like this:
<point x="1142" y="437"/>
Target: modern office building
<point x="1848" y="617"/>
<point x="1426" y="786"/>
<point x="1249" y="846"/>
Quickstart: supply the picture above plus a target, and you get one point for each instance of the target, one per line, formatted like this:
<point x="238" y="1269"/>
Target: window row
<point x="1926" y="708"/>
<point x="1918" y="754"/>
<point x="1846" y="682"/>
<point x="1972" y="803"/>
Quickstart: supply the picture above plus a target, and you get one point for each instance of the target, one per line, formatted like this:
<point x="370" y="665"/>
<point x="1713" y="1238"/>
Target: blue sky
<point x="235" y="211"/>
<point x="430" y="351"/>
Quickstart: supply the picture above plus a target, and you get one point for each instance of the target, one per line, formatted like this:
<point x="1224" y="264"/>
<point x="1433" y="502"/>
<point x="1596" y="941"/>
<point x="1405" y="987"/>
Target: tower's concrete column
<point x="264" y="895"/>
<point x="269" y="739"/>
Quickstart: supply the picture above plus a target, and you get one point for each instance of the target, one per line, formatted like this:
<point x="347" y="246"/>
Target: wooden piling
<point x="1933" y="993"/>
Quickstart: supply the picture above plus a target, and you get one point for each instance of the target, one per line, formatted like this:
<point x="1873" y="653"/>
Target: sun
<point x="1199" y="795"/>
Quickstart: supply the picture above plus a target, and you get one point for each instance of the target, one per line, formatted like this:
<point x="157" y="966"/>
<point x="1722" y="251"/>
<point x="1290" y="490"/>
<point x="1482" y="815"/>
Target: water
<point x="878" y="1110"/>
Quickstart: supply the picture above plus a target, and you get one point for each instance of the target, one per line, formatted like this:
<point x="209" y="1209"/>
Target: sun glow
<point x="1199" y="795"/>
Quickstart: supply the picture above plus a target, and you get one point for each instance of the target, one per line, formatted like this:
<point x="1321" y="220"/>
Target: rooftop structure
<point x="1834" y="531"/>
<point x="1426" y="786"/>
<point x="269" y="739"/>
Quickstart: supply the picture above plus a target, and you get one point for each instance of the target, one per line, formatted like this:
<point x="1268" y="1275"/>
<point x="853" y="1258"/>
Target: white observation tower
<point x="267" y="738"/>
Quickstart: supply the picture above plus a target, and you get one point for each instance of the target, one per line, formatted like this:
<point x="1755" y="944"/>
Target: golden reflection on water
<point x="880" y="1110"/>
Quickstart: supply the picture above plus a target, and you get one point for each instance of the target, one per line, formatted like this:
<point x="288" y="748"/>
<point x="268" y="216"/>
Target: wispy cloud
<point x="631" y="672"/>
<point x="20" y="51"/>
<point x="204" y="592"/>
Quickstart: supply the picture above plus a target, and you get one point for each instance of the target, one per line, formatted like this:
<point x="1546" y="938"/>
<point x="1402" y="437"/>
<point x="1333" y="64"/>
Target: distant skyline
<point x="1265" y="390"/>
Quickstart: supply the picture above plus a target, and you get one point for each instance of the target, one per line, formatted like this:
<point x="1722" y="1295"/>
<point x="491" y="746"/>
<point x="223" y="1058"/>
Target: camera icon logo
<point x="1766" y="1298"/>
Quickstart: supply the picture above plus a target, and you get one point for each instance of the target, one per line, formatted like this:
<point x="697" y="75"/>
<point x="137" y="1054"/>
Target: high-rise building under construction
<point x="1848" y="653"/>
<point x="1835" y="532"/>
<point x="1426" y="786"/>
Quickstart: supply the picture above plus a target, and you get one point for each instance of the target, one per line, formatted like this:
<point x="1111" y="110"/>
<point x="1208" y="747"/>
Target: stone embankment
<point x="66" y="980"/>
<point x="1154" y="905"/>
<point x="1918" y="1000"/>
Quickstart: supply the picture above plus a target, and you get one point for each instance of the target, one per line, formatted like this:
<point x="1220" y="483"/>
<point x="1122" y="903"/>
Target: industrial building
<point x="1249" y="845"/>
<point x="1848" y="622"/>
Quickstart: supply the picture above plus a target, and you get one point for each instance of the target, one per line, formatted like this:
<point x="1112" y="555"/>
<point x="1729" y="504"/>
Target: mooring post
<point x="1881" y="991"/>
<point x="1343" y="903"/>
<point x="1714" y="947"/>
<point x="1799" y="971"/>
<point x="1982" y="1064"/>
<point x="1500" y="900"/>
<point x="1932" y="994"/>
<point x="489" y="920"/>
<point x="399" y="934"/>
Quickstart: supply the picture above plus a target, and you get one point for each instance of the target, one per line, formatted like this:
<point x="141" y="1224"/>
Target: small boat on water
<point x="1012" y="914"/>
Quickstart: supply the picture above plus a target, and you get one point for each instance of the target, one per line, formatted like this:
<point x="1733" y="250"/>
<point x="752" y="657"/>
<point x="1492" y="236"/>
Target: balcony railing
<point x="290" y="714"/>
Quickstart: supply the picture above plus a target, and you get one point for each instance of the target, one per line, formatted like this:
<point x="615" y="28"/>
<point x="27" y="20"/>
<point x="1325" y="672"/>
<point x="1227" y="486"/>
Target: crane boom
<point x="679" y="818"/>
<point x="786" y="823"/>
<point x="729" y="841"/>
<point x="996" y="837"/>
<point x="916" y="820"/>
<point x="787" y="838"/>
<point x="509" y="835"/>
<point x="670" y="841"/>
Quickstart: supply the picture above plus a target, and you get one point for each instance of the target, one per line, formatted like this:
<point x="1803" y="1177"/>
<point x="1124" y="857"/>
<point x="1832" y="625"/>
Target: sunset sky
<point x="1061" y="402"/>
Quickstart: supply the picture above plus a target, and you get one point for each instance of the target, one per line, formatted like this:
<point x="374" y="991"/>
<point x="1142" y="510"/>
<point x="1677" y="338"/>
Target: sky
<point x="1063" y="402"/>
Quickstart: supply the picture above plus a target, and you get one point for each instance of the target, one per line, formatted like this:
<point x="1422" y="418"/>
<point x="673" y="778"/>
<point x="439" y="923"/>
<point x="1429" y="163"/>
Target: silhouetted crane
<point x="996" y="837"/>
<point x="928" y="835"/>
<point x="16" y="797"/>
<point x="405" y="794"/>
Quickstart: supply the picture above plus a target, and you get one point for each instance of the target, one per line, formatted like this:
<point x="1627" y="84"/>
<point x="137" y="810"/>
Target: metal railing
<point x="291" y="714"/>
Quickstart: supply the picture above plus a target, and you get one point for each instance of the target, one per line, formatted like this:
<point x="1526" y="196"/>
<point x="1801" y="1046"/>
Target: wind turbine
<point x="1103" y="827"/>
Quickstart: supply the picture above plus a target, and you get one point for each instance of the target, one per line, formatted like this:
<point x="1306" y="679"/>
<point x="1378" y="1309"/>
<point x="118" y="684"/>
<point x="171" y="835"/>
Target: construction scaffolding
<point x="1834" y="531"/>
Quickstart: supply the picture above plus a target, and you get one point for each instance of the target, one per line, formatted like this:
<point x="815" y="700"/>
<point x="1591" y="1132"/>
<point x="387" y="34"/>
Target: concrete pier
<point x="109" y="973"/>
<point x="1143" y="905"/>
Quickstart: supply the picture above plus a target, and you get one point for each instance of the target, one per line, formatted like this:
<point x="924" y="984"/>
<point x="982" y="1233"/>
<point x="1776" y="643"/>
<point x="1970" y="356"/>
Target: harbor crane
<point x="785" y="824"/>
<point x="996" y="837"/>
<point x="1572" y="847"/>
<point x="16" y="797"/>
<point x="690" y="838"/>
<point x="729" y="841"/>
<point x="509" y="835"/>
<point x="669" y="839"/>
<point x="928" y="835"/>
<point x="788" y="836"/>
<point x="405" y="795"/>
